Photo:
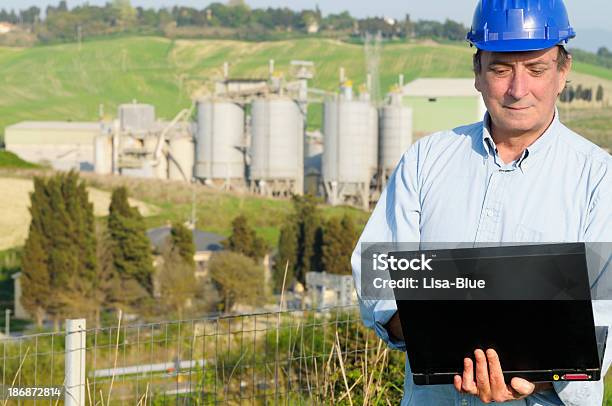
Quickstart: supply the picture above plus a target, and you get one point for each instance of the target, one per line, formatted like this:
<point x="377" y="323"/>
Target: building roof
<point x="440" y="87"/>
<point x="57" y="125"/>
<point x="203" y="240"/>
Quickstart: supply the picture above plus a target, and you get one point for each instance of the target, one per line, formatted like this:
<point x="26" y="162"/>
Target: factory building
<point x="439" y="104"/>
<point x="140" y="145"/>
<point x="250" y="135"/>
<point x="63" y="145"/>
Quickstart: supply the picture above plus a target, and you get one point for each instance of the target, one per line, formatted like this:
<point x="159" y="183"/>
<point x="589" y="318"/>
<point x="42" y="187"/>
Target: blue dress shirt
<point x="452" y="186"/>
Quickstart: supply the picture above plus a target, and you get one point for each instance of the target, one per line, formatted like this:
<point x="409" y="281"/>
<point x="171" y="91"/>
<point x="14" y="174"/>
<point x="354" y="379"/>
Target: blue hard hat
<point x="519" y="25"/>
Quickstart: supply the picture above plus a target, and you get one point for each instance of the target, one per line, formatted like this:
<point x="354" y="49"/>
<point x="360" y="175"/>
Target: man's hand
<point x="490" y="385"/>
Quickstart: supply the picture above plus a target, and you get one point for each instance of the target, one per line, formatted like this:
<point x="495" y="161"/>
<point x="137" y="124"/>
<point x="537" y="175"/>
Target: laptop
<point x="537" y="314"/>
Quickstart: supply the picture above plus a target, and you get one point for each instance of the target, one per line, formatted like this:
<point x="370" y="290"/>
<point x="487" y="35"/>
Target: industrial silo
<point x="350" y="149"/>
<point x="103" y="154"/>
<point x="277" y="147"/>
<point x="395" y="135"/>
<point x="220" y="142"/>
<point x="181" y="157"/>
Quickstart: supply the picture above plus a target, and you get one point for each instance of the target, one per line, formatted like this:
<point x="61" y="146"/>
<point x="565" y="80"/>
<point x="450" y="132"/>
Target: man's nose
<point x="519" y="85"/>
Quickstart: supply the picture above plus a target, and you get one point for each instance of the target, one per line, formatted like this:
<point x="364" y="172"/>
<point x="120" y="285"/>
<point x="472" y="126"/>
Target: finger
<point x="496" y="376"/>
<point x="457" y="382"/>
<point x="521" y="387"/>
<point x="482" y="376"/>
<point x="467" y="383"/>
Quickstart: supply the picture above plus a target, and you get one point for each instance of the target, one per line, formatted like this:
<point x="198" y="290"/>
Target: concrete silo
<point x="220" y="143"/>
<point x="103" y="154"/>
<point x="277" y="147"/>
<point x="350" y="149"/>
<point x="395" y="135"/>
<point x="181" y="156"/>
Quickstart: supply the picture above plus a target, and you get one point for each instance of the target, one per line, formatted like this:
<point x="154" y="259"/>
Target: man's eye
<point x="537" y="72"/>
<point x="501" y="71"/>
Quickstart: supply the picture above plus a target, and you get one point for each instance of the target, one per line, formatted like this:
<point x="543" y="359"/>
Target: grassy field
<point x="65" y="82"/>
<point x="161" y="202"/>
<point x="594" y="124"/>
<point x="10" y="160"/>
<point x="215" y="210"/>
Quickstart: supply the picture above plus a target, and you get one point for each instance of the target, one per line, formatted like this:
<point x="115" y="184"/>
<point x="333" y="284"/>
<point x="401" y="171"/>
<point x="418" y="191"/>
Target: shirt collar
<point x="538" y="145"/>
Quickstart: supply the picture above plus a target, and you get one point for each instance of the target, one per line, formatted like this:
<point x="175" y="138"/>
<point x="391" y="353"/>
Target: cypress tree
<point x="287" y="255"/>
<point x="245" y="241"/>
<point x="35" y="272"/>
<point x="131" y="248"/>
<point x="339" y="239"/>
<point x="79" y="250"/>
<point x="308" y="224"/>
<point x="107" y="287"/>
<point x="600" y="93"/>
<point x="181" y="240"/>
<point x="60" y="249"/>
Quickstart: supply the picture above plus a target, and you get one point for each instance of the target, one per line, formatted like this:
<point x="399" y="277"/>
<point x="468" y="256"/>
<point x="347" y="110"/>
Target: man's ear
<point x="564" y="73"/>
<point x="477" y="82"/>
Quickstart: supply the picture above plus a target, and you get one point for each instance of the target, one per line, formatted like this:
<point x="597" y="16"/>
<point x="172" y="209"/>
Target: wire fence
<point x="291" y="357"/>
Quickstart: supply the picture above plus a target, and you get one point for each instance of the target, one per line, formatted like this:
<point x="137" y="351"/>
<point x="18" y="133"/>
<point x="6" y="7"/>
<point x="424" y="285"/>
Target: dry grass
<point x="15" y="202"/>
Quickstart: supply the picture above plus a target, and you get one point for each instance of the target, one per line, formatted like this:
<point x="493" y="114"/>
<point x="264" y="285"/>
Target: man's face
<point x="520" y="88"/>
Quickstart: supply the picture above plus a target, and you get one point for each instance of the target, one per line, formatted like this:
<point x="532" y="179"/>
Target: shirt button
<point x="464" y="402"/>
<point x="490" y="212"/>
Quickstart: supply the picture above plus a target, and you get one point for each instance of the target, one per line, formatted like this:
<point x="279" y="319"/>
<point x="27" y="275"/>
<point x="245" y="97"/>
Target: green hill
<point x="10" y="160"/>
<point x="65" y="82"/>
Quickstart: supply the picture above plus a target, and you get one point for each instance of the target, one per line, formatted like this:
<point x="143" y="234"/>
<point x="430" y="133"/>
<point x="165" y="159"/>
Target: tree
<point x="244" y="240"/>
<point x="564" y="96"/>
<point x="237" y="278"/>
<point x="36" y="278"/>
<point x="181" y="240"/>
<point x="339" y="239"/>
<point x="578" y="92"/>
<point x="59" y="260"/>
<point x="604" y="52"/>
<point x="237" y="3"/>
<point x="600" y="93"/>
<point x="30" y="16"/>
<point x="571" y="94"/>
<point x="287" y="255"/>
<point x="308" y="222"/>
<point x="107" y="287"/>
<point x="177" y="282"/>
<point x="125" y="12"/>
<point x="131" y="249"/>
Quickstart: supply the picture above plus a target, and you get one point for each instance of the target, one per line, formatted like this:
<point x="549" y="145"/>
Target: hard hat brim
<point x="517" y="45"/>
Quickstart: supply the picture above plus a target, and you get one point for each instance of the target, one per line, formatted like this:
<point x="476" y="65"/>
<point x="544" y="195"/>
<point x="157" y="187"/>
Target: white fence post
<point x="74" y="363"/>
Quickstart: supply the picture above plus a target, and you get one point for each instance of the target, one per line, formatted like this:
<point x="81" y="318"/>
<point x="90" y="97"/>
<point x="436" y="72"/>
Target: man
<point x="518" y="176"/>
